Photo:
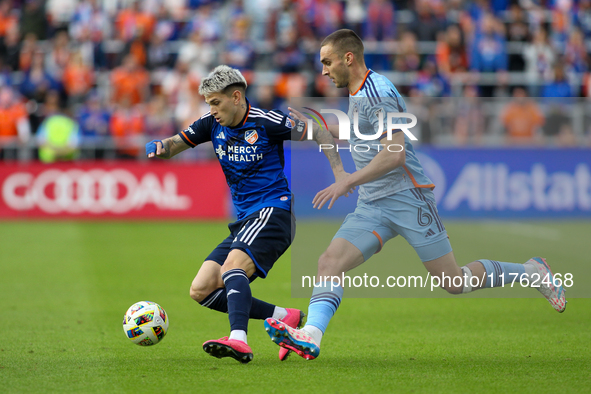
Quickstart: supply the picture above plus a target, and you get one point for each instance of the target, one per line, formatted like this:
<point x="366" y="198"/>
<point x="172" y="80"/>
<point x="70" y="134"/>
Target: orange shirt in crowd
<point x="129" y="83"/>
<point x="9" y="118"/>
<point x="443" y="55"/>
<point x="145" y="23"/>
<point x="131" y="23"/>
<point x="6" y="22"/>
<point x="77" y="79"/>
<point x="522" y="120"/>
<point x="126" y="23"/>
<point x="126" y="128"/>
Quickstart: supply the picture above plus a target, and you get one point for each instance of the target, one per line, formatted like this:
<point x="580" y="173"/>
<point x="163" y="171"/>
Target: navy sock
<point x="218" y="301"/>
<point x="261" y="310"/>
<point x="239" y="298"/>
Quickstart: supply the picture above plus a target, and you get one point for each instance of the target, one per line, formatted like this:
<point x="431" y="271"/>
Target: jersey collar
<point x="362" y="83"/>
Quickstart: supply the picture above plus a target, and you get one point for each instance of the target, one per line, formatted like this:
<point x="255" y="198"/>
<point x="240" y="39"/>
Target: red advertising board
<point x="158" y="190"/>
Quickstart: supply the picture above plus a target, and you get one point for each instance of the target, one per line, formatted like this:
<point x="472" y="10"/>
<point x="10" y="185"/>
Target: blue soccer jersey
<point x="251" y="156"/>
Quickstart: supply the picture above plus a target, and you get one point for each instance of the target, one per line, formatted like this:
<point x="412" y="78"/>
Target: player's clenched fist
<point x="154" y="148"/>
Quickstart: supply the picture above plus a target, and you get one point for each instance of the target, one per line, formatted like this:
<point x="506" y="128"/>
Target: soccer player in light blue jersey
<point x="248" y="143"/>
<point x="395" y="198"/>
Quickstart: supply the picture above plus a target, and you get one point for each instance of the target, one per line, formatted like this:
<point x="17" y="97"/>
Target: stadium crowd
<point x="94" y="79"/>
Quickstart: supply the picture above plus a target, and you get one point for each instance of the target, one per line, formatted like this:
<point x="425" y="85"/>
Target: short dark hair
<point x="344" y="41"/>
<point x="228" y="90"/>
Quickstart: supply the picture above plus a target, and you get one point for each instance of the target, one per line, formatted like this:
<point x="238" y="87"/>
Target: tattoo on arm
<point x="172" y="146"/>
<point x="323" y="136"/>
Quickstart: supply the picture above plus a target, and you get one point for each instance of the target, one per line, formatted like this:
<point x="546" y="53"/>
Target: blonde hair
<point x="220" y="79"/>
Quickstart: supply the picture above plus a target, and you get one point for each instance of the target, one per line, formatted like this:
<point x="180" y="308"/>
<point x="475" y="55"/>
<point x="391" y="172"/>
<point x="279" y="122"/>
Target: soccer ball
<point x="145" y="323"/>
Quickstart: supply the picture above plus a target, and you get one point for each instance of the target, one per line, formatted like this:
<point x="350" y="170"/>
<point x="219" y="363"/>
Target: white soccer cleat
<point x="547" y="285"/>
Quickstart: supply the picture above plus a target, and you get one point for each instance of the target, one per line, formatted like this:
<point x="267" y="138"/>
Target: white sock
<point x="314" y="332"/>
<point x="279" y="313"/>
<point x="239" y="335"/>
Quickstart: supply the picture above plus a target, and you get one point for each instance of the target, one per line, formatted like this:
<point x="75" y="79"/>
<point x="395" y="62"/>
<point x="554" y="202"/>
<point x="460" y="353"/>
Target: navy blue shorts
<point x="264" y="236"/>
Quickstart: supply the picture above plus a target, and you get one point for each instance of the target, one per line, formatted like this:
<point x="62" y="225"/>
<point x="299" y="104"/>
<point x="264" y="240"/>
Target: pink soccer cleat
<point x="225" y="347"/>
<point x="546" y="284"/>
<point x="291" y="338"/>
<point x="294" y="319"/>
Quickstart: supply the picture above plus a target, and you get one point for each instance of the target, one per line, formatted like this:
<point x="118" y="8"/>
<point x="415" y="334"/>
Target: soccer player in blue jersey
<point x="248" y="142"/>
<point x="395" y="197"/>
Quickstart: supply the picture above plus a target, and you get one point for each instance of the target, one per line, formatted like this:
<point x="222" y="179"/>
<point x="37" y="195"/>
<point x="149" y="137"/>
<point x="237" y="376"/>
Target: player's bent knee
<point x="195" y="294"/>
<point x="237" y="259"/>
<point x="198" y="293"/>
<point x="327" y="263"/>
<point x="457" y="284"/>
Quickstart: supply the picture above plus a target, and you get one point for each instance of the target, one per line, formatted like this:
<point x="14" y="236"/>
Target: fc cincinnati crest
<point x="251" y="136"/>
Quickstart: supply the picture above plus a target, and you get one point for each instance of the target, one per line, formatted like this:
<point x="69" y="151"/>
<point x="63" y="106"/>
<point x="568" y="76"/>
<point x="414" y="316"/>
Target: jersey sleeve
<point x="287" y="129"/>
<point x="199" y="131"/>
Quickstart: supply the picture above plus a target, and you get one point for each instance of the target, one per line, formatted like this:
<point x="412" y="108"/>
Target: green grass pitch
<point x="64" y="287"/>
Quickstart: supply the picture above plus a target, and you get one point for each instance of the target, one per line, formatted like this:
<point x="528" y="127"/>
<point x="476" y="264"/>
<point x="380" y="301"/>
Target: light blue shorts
<point x="411" y="213"/>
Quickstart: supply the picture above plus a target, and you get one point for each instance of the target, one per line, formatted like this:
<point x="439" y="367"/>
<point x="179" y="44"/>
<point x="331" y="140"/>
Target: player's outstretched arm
<point x="390" y="157"/>
<point x="166" y="148"/>
<point x="324" y="138"/>
<point x="332" y="128"/>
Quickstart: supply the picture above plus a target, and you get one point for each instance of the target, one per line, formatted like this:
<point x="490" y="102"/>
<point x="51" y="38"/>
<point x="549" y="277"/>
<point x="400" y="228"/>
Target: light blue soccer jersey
<point x="377" y="94"/>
